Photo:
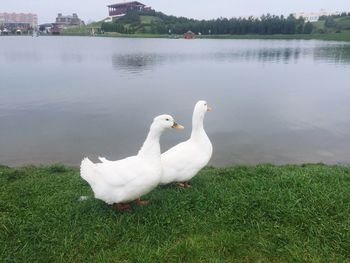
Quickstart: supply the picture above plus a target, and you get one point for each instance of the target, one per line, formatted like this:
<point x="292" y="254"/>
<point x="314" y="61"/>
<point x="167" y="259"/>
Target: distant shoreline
<point x="342" y="36"/>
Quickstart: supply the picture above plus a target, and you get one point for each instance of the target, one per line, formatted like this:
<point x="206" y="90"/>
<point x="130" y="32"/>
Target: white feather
<point x="182" y="162"/>
<point x="130" y="178"/>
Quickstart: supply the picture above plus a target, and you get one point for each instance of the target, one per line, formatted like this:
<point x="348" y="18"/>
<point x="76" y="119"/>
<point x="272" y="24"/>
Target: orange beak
<point x="177" y="126"/>
<point x="209" y="108"/>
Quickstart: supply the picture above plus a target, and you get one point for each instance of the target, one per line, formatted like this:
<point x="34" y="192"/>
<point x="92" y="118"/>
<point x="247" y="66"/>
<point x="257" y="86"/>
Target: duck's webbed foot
<point x="184" y="185"/>
<point x="141" y="202"/>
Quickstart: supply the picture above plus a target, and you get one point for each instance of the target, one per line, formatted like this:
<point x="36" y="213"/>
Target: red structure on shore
<point x="122" y="8"/>
<point x="189" y="35"/>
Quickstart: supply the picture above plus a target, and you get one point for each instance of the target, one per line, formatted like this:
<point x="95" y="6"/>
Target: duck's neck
<point x="151" y="146"/>
<point x="197" y="125"/>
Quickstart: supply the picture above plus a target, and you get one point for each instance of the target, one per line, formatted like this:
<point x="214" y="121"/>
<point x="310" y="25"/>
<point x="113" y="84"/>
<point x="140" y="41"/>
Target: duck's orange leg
<point x="141" y="202"/>
<point x="184" y="185"/>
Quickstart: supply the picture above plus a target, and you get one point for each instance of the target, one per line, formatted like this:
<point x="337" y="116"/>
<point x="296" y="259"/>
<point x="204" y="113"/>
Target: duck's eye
<point x="167" y="119"/>
<point x="205" y="104"/>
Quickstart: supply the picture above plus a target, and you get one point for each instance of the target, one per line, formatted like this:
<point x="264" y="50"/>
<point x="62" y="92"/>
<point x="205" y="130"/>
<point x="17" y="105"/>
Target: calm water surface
<point x="62" y="98"/>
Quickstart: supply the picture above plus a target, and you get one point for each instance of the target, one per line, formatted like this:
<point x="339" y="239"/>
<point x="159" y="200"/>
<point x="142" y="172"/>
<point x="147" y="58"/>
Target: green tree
<point x="329" y="22"/>
<point x="308" y="28"/>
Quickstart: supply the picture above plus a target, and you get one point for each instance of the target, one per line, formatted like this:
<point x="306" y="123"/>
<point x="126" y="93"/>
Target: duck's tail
<point x="87" y="171"/>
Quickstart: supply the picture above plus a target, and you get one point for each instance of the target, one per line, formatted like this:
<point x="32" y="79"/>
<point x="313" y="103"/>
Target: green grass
<point x="97" y="24"/>
<point x="261" y="213"/>
<point x="318" y="26"/>
<point x="115" y="34"/>
<point x="144" y="26"/>
<point x="343" y="22"/>
<point x="340" y="24"/>
<point x="76" y="30"/>
<point x="149" y="19"/>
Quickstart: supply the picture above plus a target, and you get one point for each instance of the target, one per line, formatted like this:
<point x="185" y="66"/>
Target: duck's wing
<point x="179" y="157"/>
<point x="120" y="172"/>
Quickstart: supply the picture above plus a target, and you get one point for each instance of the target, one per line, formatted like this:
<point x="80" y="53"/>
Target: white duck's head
<point x="201" y="108"/>
<point x="198" y="117"/>
<point x="151" y="145"/>
<point x="165" y="121"/>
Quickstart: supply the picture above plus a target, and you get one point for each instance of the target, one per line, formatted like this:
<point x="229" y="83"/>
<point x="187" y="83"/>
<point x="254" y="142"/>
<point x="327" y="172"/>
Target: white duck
<point x="185" y="160"/>
<point x="125" y="180"/>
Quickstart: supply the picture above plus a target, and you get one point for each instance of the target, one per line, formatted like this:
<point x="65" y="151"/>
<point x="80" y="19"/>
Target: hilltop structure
<point x="121" y="8"/>
<point x="18" y="21"/>
<point x="314" y="16"/>
<point x="72" y="20"/>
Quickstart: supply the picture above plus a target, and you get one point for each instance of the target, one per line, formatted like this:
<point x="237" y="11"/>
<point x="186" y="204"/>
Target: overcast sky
<point x="206" y="9"/>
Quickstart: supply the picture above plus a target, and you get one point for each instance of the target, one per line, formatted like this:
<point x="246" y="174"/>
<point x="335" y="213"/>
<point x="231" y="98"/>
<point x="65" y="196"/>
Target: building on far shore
<point x="18" y="22"/>
<point x="61" y="22"/>
<point x="121" y="8"/>
<point x="314" y="16"/>
<point x="189" y="35"/>
<point x="72" y="20"/>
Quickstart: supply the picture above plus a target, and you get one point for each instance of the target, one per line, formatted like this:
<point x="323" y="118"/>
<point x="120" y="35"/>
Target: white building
<point x="19" y="18"/>
<point x="314" y="16"/>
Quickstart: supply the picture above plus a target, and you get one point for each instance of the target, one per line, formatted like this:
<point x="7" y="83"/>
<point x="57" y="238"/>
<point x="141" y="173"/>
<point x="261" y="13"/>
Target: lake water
<point x="62" y="98"/>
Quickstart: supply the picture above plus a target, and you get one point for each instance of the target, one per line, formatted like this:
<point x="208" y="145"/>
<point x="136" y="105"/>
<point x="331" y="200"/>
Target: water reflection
<point x="333" y="53"/>
<point x="136" y="62"/>
<point x="274" y="55"/>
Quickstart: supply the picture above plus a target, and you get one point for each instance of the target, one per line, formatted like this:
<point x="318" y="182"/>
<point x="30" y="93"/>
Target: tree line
<point x="164" y="24"/>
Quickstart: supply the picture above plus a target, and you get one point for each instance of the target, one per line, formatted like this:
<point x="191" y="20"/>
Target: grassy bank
<point x="259" y="213"/>
<point x="113" y="34"/>
<point x="342" y="36"/>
